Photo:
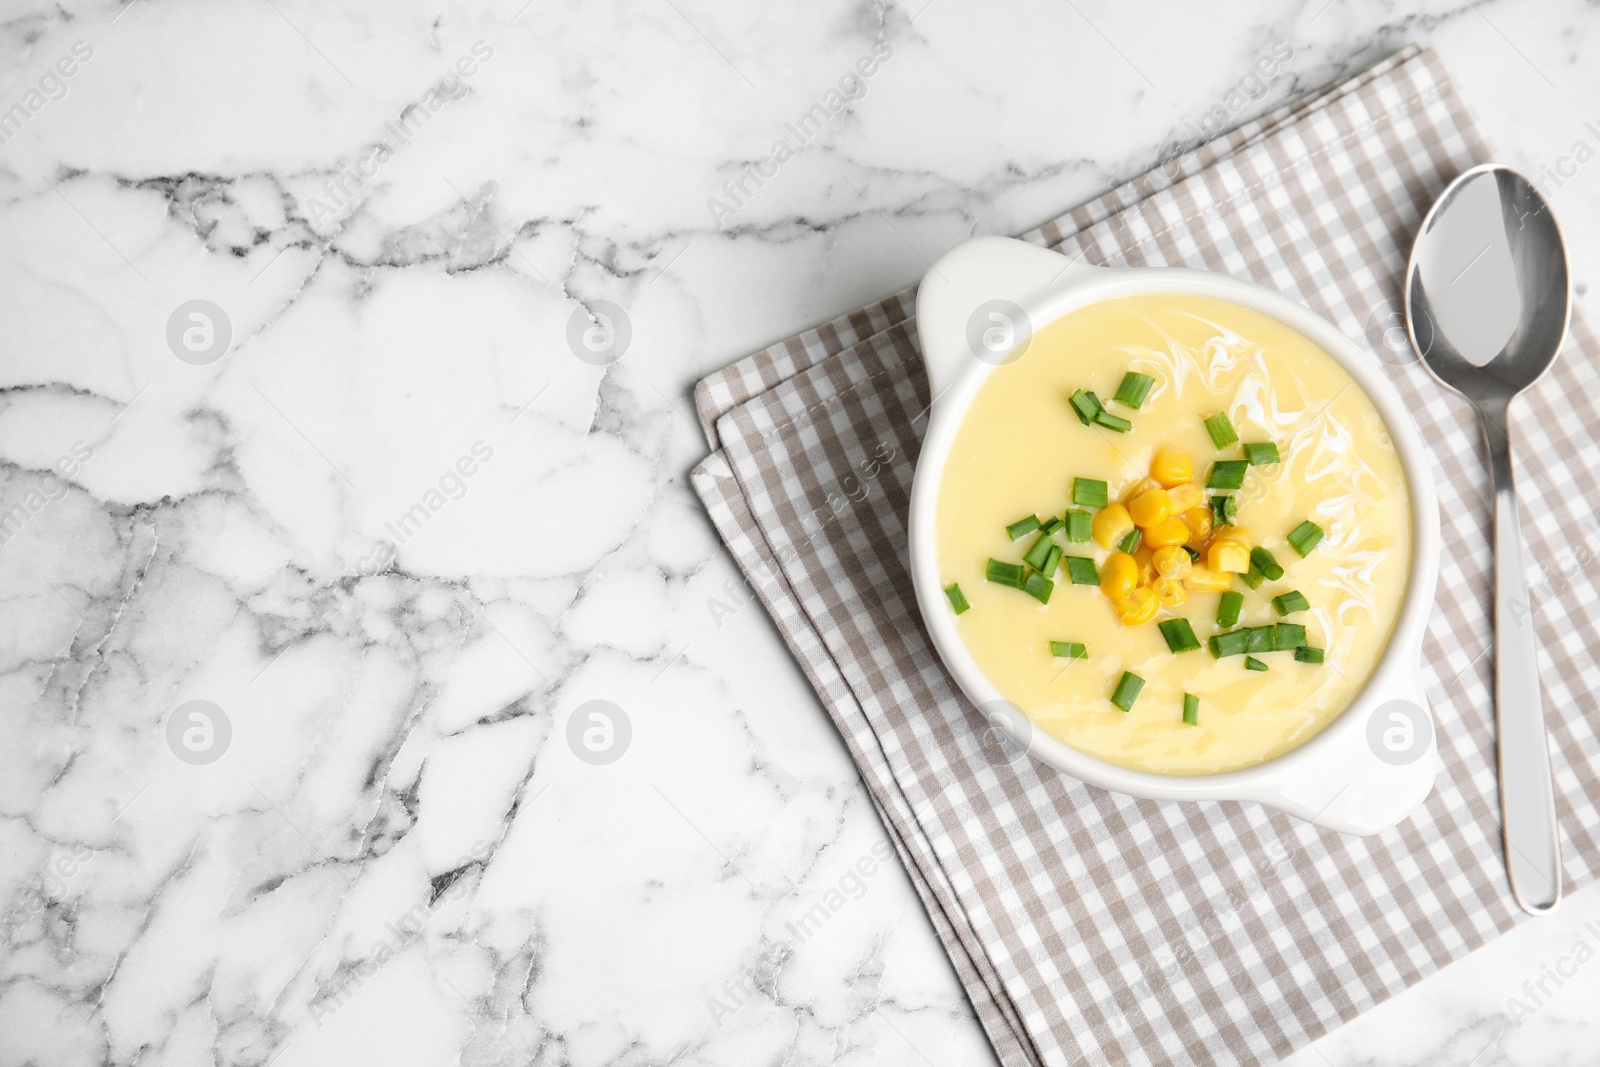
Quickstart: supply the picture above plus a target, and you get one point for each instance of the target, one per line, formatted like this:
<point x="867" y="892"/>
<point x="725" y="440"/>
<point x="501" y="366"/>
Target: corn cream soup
<point x="1181" y="507"/>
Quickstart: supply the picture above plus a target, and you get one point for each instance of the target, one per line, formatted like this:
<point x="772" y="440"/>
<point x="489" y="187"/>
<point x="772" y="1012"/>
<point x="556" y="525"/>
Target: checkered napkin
<point x="1090" y="926"/>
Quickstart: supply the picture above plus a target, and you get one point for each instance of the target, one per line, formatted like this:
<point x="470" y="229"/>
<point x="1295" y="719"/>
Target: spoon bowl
<point x="1539" y="261"/>
<point x="1488" y="299"/>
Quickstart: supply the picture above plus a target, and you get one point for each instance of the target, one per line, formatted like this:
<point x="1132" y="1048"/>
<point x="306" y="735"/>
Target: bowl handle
<point x="1376" y="778"/>
<point x="951" y="299"/>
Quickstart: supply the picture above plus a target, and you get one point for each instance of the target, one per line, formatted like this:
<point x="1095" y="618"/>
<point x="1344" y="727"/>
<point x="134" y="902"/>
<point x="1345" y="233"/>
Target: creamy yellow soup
<point x="1018" y="450"/>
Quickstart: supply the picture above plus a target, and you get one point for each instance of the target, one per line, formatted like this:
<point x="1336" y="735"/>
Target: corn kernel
<point x="1150" y="508"/>
<point x="1226" y="554"/>
<point x="1172" y="562"/>
<point x="1169" y="531"/>
<point x="1139" y="488"/>
<point x="1138" y="607"/>
<point x="1202" y="579"/>
<point x="1111" y="523"/>
<point x="1169" y="592"/>
<point x="1119" y="575"/>
<point x="1199" y="522"/>
<point x="1185" y="496"/>
<point x="1144" y="556"/>
<point x="1231" y="533"/>
<point x="1171" y="466"/>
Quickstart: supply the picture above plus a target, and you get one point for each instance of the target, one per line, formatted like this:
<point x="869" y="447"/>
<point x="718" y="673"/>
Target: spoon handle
<point x="1527" y="794"/>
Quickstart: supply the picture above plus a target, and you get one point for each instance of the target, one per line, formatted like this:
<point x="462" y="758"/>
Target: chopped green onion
<point x="1052" y="526"/>
<point x="1287" y="636"/>
<point x="1023" y="527"/>
<point x="1068" y="650"/>
<point x="1266" y="563"/>
<point x="1260" y="454"/>
<point x="1252" y="577"/>
<point x="1191" y="709"/>
<point x="1038" y="552"/>
<point x="1179" y="634"/>
<point x="1305" y="537"/>
<point x="1259" y="639"/>
<point x="1079" y="523"/>
<point x="1113" y="422"/>
<point x="1052" y="561"/>
<point x="1307" y="654"/>
<point x="958" y="599"/>
<point x="1253" y="664"/>
<point x="1039" y="587"/>
<point x="1088" y="493"/>
<point x="1130" y="541"/>
<point x="1227" y="474"/>
<point x="1085" y="405"/>
<point x="1134" y="388"/>
<point x="1220" y="427"/>
<point x="1127" y="690"/>
<point x="1229" y="607"/>
<point x="1194" y="553"/>
<point x="1081" y="570"/>
<point x="1224" y="510"/>
<point x="1230" y="643"/>
<point x="1290" y="602"/>
<point x="1004" y="573"/>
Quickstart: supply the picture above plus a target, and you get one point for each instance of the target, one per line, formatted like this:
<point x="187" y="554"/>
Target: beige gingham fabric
<point x="1093" y="927"/>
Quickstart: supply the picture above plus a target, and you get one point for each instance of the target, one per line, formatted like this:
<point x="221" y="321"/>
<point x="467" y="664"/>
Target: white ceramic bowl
<point x="1338" y="779"/>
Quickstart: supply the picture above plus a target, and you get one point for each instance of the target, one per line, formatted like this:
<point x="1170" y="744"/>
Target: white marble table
<point x="396" y="386"/>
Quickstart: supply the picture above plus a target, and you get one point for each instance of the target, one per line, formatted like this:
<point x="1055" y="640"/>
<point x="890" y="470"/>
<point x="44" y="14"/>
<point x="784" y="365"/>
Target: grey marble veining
<point x="498" y="762"/>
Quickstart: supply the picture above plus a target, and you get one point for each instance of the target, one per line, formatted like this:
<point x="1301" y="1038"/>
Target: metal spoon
<point x="1461" y="302"/>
